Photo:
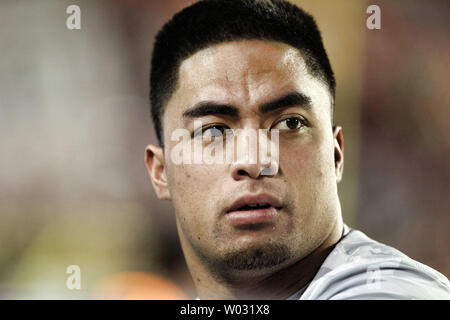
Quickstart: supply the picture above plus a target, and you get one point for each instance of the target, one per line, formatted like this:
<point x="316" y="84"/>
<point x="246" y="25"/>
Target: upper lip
<point x="261" y="199"/>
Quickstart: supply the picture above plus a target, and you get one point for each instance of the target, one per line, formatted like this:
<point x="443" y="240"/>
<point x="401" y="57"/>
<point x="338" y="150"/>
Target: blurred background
<point x="74" y="122"/>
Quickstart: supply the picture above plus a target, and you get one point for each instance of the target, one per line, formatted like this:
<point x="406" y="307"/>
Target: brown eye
<point x="292" y="123"/>
<point x="215" y="131"/>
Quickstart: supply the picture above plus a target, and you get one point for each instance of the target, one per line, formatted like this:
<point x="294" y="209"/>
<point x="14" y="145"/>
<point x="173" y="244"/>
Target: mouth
<point x="254" y="209"/>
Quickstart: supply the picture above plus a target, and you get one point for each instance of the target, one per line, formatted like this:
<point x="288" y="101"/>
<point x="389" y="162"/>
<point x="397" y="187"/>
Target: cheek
<point x="195" y="190"/>
<point x="194" y="187"/>
<point x="306" y="162"/>
<point x="296" y="159"/>
<point x="192" y="178"/>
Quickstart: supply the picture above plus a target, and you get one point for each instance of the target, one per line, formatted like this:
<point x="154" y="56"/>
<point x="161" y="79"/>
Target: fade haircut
<point x="210" y="22"/>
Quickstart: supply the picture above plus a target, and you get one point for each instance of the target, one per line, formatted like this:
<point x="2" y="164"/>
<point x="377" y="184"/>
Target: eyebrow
<point x="288" y="100"/>
<point x="206" y="108"/>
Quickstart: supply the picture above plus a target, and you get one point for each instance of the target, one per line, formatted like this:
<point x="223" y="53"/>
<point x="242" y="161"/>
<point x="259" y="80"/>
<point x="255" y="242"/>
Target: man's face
<point x="302" y="192"/>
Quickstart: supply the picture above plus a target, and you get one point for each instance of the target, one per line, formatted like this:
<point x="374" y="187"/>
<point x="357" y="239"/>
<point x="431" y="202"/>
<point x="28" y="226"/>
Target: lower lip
<point x="254" y="216"/>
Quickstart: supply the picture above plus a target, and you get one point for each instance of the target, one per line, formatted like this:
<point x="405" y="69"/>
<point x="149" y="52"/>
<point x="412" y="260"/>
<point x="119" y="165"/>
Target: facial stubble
<point x="233" y="260"/>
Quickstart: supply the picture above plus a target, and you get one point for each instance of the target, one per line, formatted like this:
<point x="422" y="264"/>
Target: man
<point x="262" y="229"/>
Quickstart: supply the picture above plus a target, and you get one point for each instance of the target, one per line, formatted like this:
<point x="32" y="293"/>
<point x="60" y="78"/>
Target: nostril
<point x="242" y="172"/>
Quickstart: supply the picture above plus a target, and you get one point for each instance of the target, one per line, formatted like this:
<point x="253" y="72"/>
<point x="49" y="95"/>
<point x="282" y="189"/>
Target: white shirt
<point x="362" y="268"/>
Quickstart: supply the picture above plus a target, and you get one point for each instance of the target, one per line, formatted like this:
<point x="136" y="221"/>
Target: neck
<point x="276" y="285"/>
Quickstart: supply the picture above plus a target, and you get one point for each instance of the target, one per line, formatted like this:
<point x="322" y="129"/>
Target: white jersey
<point x="362" y="268"/>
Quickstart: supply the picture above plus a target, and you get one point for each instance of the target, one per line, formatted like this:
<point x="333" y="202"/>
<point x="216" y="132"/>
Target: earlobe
<point x="338" y="139"/>
<point x="154" y="161"/>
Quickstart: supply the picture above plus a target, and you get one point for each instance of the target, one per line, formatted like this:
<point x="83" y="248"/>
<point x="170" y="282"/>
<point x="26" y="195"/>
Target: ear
<point x="338" y="139"/>
<point x="154" y="161"/>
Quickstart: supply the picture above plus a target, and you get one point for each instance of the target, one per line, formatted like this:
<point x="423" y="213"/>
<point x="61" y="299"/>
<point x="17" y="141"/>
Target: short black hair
<point x="211" y="22"/>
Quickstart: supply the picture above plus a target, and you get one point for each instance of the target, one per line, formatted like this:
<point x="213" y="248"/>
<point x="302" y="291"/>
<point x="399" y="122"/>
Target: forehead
<point x="244" y="74"/>
<point x="240" y="65"/>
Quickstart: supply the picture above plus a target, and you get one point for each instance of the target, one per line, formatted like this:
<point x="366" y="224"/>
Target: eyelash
<point x="302" y="121"/>
<point x="203" y="130"/>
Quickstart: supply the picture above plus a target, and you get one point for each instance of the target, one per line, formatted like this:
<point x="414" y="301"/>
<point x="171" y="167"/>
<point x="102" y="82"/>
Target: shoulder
<point x="362" y="268"/>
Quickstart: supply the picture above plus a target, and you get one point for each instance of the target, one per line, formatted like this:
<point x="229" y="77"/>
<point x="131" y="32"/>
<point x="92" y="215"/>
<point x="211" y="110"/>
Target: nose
<point x="251" y="159"/>
<point x="241" y="169"/>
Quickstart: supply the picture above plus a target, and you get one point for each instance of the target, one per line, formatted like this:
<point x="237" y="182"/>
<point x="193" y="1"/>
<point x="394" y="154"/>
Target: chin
<point x="254" y="262"/>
